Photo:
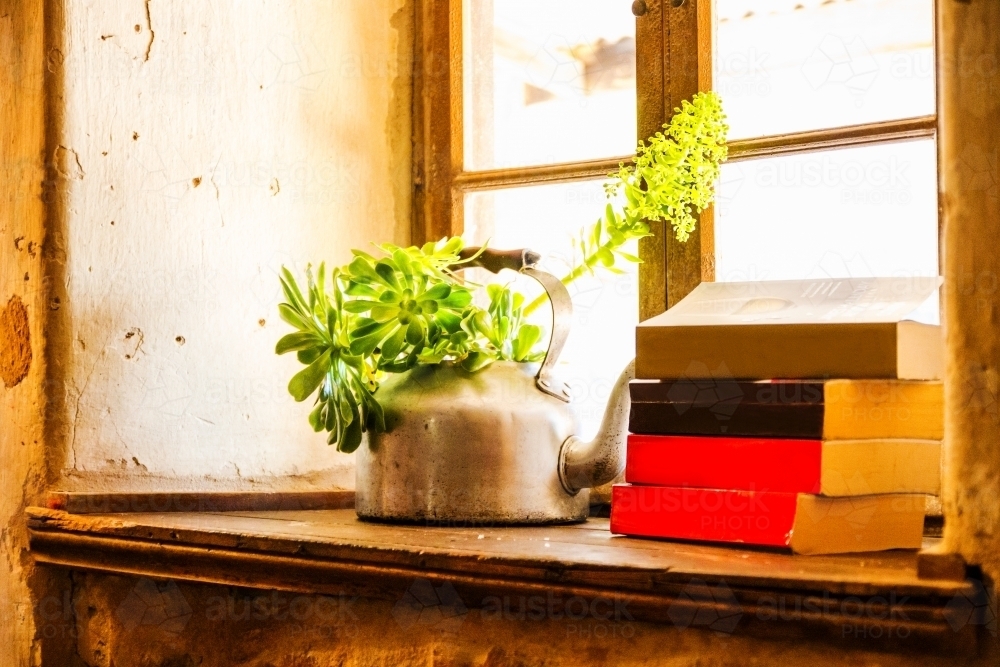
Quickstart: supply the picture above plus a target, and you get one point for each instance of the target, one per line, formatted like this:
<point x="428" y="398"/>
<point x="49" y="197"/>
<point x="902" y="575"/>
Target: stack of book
<point x="797" y="414"/>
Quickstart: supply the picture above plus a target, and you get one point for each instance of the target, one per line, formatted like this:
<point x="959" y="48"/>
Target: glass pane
<point x="788" y="66"/>
<point x="605" y="306"/>
<point x="857" y="212"/>
<point x="548" y="81"/>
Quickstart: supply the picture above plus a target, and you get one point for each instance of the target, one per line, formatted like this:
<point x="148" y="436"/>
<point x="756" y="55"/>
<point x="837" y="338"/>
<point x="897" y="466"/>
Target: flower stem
<point x="576" y="273"/>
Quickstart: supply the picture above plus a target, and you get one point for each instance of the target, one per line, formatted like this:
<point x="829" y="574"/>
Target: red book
<point x="828" y="467"/>
<point x="805" y="523"/>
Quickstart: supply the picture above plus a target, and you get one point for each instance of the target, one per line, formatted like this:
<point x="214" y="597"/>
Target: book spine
<point x="754" y="351"/>
<point x="745" y="517"/>
<point x="747" y="464"/>
<point x="738" y="418"/>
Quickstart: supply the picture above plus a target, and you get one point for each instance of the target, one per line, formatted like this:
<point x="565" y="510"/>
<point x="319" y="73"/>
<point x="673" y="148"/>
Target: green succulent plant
<point x="386" y="314"/>
<point x="402" y="306"/>
<point x="345" y="405"/>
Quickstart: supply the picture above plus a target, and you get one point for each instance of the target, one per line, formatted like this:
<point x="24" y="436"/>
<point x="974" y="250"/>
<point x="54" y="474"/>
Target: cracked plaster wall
<point x="159" y="161"/>
<point x="199" y="147"/>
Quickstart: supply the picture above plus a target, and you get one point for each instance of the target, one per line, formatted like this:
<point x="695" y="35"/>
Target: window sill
<point x="332" y="552"/>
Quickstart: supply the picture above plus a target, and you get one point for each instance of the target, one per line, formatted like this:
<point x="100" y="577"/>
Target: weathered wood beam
<point x="969" y="158"/>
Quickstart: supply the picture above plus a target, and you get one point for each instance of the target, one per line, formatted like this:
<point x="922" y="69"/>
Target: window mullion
<point x="841" y="137"/>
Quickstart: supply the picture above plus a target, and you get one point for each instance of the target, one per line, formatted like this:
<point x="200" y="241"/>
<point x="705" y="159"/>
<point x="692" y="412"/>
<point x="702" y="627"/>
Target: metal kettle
<point x="492" y="447"/>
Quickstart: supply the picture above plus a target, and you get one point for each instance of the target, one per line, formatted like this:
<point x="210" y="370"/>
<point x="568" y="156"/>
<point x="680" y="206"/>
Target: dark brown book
<point x="814" y="409"/>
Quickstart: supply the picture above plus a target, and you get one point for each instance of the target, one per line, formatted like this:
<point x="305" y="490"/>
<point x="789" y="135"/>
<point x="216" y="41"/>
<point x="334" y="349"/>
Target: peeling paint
<point x="54" y="60"/>
<point x="152" y="34"/>
<point x="135" y="338"/>
<point x="67" y="163"/>
<point x="15" y="342"/>
<point x="208" y="185"/>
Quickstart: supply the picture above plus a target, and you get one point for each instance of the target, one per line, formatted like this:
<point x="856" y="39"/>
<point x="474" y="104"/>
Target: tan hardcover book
<point x="883" y="409"/>
<point x="842" y="328"/>
<point x="868" y="523"/>
<point x="865" y="467"/>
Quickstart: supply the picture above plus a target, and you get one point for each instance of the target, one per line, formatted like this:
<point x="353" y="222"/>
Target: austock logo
<point x="743" y="73"/>
<point x="876" y="617"/>
<point x="290" y="62"/>
<point x="158" y="605"/>
<point x="980" y="171"/>
<point x="835" y="266"/>
<point x="977" y="606"/>
<point x="855" y="511"/>
<point x="979" y="390"/>
<point x="701" y="387"/>
<point x="439" y="607"/>
<point x="563" y="67"/>
<point x="583" y="617"/>
<point x="700" y="605"/>
<point x="839" y="62"/>
<point x="55" y="615"/>
<point x="321" y="616"/>
<point x="436" y="607"/>
<point x="730" y="183"/>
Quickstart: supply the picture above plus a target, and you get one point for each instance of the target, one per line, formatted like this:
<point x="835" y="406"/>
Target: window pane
<point x="548" y="81"/>
<point x="791" y="65"/>
<point x="856" y="212"/>
<point x="605" y="307"/>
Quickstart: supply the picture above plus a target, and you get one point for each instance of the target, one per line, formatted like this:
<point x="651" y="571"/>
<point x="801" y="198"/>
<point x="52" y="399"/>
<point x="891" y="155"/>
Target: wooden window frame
<point x="674" y="47"/>
<point x="440" y="178"/>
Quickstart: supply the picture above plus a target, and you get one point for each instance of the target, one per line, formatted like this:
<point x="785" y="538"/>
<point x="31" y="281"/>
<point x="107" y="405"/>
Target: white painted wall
<point x="204" y="145"/>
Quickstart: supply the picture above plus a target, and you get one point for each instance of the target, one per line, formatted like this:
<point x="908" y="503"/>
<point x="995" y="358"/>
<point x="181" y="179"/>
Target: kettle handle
<point x="524" y="261"/>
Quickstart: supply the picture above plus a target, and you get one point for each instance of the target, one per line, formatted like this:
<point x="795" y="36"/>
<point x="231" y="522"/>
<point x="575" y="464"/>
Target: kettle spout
<point x="584" y="465"/>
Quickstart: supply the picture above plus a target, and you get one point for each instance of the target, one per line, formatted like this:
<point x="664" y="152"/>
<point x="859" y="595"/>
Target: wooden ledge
<point x="76" y="502"/>
<point x="332" y="552"/>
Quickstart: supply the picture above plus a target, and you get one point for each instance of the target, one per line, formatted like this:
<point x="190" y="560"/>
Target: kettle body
<point x="497" y="446"/>
<point x="468" y="449"/>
